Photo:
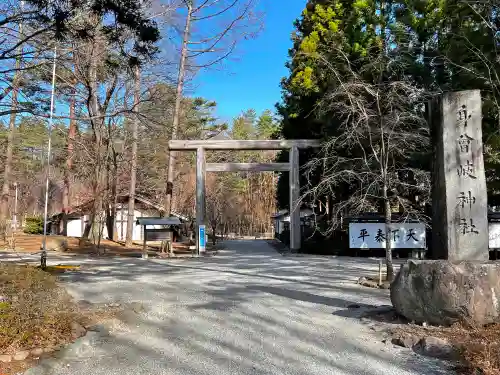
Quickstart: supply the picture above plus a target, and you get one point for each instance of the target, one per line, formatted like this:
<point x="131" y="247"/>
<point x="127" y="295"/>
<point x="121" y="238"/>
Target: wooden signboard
<point x="163" y="234"/>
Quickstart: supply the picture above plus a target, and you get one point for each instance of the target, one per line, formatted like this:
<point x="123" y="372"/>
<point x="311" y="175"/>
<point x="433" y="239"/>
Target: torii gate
<point x="292" y="166"/>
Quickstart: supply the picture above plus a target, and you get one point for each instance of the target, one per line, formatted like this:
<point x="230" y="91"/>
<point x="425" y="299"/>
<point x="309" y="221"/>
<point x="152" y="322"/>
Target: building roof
<point x="216" y="134"/>
<point x="280" y="213"/>
<point x="223" y="135"/>
<point x="85" y="208"/>
<point x="172" y="220"/>
<point x="283" y="214"/>
<point x="378" y="217"/>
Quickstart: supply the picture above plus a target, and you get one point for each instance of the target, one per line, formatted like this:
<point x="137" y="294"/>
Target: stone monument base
<point x="440" y="292"/>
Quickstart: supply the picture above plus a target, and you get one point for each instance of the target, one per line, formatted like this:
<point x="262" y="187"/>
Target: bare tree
<point x="133" y="164"/>
<point x="72" y="129"/>
<point x="96" y="51"/>
<point x="216" y="204"/>
<point x="227" y="22"/>
<point x="10" y="138"/>
<point x="381" y="127"/>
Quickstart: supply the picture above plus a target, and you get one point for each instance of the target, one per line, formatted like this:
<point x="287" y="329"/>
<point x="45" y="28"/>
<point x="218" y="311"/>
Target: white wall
<point x="121" y="224"/>
<point x="278" y="226"/>
<point x="75" y="228"/>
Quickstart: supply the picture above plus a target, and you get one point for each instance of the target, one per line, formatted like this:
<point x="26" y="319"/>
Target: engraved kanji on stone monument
<point x="467" y="226"/>
<point x="466" y="199"/>
<point x="464" y="142"/>
<point x="466" y="170"/>
<point x="460" y="224"/>
<point x="464" y="114"/>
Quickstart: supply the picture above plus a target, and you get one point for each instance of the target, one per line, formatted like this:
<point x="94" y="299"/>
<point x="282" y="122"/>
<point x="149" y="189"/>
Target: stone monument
<point x="462" y="285"/>
<point x="459" y="198"/>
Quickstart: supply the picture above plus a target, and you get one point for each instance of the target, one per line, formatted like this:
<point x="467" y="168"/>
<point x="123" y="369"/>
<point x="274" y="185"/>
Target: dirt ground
<point x="25" y="243"/>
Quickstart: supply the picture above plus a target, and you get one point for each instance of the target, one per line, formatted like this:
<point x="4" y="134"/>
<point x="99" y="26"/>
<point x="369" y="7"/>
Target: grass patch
<point x="34" y="310"/>
<point x="60" y="268"/>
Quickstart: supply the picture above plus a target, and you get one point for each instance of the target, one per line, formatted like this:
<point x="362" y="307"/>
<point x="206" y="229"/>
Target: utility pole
<point x="43" y="258"/>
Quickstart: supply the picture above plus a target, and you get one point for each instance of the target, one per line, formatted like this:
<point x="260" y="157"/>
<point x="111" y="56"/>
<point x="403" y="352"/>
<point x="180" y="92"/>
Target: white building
<point x="281" y="220"/>
<point x="80" y="216"/>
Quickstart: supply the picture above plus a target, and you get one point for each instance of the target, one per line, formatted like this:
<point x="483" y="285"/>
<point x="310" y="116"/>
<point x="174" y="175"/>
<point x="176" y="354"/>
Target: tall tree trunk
<point x="114" y="188"/>
<point x="97" y="127"/>
<point x="177" y="108"/>
<point x="388" y="248"/>
<point x="88" y="226"/>
<point x="111" y="174"/>
<point x="4" y="201"/>
<point x="69" y="162"/>
<point x="133" y="163"/>
<point x="4" y="206"/>
<point x="109" y="218"/>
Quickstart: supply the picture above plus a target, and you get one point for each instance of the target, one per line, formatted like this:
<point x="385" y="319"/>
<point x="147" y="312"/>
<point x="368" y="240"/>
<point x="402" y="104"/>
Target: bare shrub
<point x="34" y="310"/>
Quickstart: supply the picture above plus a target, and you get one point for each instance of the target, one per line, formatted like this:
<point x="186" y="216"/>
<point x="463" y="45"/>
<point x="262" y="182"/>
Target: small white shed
<point x="282" y="219"/>
<point x="77" y="220"/>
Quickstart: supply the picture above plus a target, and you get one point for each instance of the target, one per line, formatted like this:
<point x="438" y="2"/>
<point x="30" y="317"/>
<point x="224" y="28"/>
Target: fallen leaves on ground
<point x="479" y="346"/>
<point x="34" y="310"/>
<point x="37" y="312"/>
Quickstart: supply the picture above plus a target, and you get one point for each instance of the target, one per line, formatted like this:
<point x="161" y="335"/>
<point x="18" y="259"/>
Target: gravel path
<point x="247" y="310"/>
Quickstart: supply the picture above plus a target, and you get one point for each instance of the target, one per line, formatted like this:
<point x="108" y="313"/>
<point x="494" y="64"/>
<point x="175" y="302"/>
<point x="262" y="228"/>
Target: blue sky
<point x="252" y="79"/>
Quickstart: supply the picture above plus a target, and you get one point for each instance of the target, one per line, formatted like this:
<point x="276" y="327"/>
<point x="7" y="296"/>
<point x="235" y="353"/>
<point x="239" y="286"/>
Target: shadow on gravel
<point x="186" y="349"/>
<point x="250" y="311"/>
<point x="377" y="314"/>
<point x="301" y="296"/>
<point x="229" y="297"/>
